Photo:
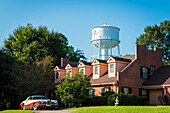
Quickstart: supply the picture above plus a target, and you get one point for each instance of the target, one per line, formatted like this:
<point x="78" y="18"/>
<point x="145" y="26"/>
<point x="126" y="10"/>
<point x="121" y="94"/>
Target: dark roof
<point x="86" y="63"/>
<point x="121" y="59"/>
<point x="61" y="67"/>
<point x="160" y="77"/>
<point x="102" y="61"/>
<point x="103" y="79"/>
<point x="73" y="64"/>
<point x="131" y="57"/>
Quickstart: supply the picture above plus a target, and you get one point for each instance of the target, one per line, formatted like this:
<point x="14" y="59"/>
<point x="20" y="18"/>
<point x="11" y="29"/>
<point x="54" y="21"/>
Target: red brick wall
<point x="130" y="76"/>
<point x="74" y="70"/>
<point x="88" y="70"/>
<point x="98" y="90"/>
<point x="103" y="68"/>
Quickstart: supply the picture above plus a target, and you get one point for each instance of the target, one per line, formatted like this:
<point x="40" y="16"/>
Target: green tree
<point x="28" y="44"/>
<point x="32" y="79"/>
<point x="74" y="89"/>
<point x="157" y="36"/>
<point x="6" y="65"/>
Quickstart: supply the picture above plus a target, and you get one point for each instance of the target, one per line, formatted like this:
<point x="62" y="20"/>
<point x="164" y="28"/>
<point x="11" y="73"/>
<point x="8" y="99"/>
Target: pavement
<point x="54" y="111"/>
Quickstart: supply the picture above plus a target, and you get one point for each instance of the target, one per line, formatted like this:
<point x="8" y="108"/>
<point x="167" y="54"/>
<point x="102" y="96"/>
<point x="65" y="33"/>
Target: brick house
<point x="141" y="74"/>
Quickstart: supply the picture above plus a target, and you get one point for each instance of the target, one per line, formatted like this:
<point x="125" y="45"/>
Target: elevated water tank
<point x="105" y="38"/>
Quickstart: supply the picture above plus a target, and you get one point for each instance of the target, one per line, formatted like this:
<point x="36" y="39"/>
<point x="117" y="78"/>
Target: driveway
<point x="54" y="111"/>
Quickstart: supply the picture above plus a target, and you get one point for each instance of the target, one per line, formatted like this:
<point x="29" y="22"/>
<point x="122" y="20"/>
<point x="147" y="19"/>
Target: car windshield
<point x="39" y="97"/>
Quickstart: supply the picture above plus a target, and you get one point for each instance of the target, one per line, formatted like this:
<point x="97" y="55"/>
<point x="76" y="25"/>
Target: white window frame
<point x="96" y="69"/>
<point x="69" y="72"/>
<point x="111" y="68"/>
<point x="82" y="71"/>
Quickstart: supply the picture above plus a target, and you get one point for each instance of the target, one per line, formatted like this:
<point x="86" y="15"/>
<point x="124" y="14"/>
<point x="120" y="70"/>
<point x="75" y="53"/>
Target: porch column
<point x="165" y="90"/>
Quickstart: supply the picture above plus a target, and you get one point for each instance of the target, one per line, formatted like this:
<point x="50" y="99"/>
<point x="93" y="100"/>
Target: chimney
<point x="64" y="61"/>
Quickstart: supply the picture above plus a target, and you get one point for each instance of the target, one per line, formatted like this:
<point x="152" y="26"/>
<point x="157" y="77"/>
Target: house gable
<point x="68" y="66"/>
<point x="81" y="64"/>
<point x="95" y="62"/>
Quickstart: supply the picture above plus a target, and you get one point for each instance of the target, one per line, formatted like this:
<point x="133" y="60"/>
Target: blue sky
<point x="76" y="18"/>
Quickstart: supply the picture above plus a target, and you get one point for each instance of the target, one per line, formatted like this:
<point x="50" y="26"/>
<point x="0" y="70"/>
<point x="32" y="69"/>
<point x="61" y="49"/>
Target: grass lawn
<point x="17" y="111"/>
<point x="122" y="109"/>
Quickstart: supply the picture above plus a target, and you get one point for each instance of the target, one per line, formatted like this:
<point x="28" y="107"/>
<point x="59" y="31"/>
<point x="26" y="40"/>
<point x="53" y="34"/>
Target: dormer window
<point x="96" y="70"/>
<point x="111" y="68"/>
<point x="69" y="72"/>
<point x="82" y="70"/>
<point x="56" y="75"/>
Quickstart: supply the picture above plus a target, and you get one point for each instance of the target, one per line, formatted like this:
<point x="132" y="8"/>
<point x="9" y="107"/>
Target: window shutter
<point x="147" y="93"/>
<point x="109" y="88"/>
<point x="140" y="92"/>
<point x="130" y="90"/>
<point x="93" y="92"/>
<point x="122" y="91"/>
<point x="148" y="70"/>
<point x="102" y="90"/>
<point x="141" y="72"/>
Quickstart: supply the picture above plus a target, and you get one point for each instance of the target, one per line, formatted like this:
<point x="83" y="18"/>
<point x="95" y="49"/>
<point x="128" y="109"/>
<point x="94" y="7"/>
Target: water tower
<point x="104" y="39"/>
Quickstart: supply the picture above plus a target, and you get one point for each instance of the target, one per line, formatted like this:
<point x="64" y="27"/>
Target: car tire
<point x="24" y="108"/>
<point x="34" y="106"/>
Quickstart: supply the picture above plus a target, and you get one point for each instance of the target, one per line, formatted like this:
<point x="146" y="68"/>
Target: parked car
<point x="38" y="101"/>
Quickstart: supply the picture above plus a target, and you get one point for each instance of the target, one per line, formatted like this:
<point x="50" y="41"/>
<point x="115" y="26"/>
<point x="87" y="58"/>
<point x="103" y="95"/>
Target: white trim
<point x="81" y="64"/>
<point x="97" y="62"/>
<point x="68" y="66"/>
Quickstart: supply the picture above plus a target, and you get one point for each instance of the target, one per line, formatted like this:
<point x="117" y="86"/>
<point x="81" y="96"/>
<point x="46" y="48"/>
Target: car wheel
<point x="24" y="107"/>
<point x="34" y="106"/>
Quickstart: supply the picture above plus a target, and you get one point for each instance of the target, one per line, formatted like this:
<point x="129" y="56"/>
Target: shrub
<point x="87" y="101"/>
<point x="108" y="93"/>
<point x="130" y="99"/>
<point x="143" y="100"/>
<point x="98" y="100"/>
<point x="162" y="99"/>
<point x="124" y="99"/>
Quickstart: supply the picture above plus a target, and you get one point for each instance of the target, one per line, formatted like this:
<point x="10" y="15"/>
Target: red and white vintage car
<point x="37" y="101"/>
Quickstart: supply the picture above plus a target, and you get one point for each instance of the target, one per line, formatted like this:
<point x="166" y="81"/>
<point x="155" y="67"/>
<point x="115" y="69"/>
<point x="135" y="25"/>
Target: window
<point x="126" y="90"/>
<point x="144" y="72"/>
<point x="56" y="75"/>
<point x="96" y="70"/>
<point x="143" y="92"/>
<point x="82" y="70"/>
<point x="104" y="90"/>
<point x="69" y="72"/>
<point x="91" y="93"/>
<point x="111" y="68"/>
<point x="152" y="68"/>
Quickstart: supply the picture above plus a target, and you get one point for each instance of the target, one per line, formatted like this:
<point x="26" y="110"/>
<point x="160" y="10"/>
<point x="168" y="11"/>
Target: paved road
<point x="54" y="111"/>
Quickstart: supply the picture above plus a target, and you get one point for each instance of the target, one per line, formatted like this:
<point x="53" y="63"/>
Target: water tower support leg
<point x="92" y="51"/>
<point x="99" y="49"/>
<point x="118" y="50"/>
<point x="110" y="47"/>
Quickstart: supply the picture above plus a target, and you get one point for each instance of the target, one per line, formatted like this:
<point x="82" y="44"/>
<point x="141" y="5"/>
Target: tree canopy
<point x="157" y="36"/>
<point x="32" y="79"/>
<point x="6" y="65"/>
<point x="28" y="43"/>
<point x="74" y="89"/>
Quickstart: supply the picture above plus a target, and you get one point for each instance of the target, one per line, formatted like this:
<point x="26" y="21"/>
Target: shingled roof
<point x="104" y="79"/>
<point x="160" y="77"/>
<point x="102" y="61"/>
<point x="131" y="57"/>
<point x="86" y="63"/>
<point x="121" y="59"/>
<point x="73" y="64"/>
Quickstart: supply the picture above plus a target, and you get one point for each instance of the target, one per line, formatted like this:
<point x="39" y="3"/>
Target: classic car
<point x="38" y="101"/>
